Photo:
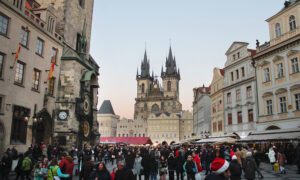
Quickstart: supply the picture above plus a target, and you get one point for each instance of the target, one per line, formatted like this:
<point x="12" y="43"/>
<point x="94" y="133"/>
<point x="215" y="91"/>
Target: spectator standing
<point x="87" y="169"/>
<point x="102" y="173"/>
<point x="235" y="169"/>
<point x="171" y="166"/>
<point x="220" y="170"/>
<point x="67" y="166"/>
<point x="5" y="166"/>
<point x="137" y="167"/>
<point x="163" y="168"/>
<point x="54" y="171"/>
<point x="123" y="173"/>
<point x="190" y="168"/>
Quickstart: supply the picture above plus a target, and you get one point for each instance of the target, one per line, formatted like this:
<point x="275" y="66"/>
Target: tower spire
<point x="145" y="66"/>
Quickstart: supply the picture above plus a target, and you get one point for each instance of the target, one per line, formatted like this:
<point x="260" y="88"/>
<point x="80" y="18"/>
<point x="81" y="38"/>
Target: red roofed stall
<point x="126" y="140"/>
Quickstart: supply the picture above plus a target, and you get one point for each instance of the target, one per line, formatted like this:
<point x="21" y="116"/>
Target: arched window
<point x="143" y="88"/>
<point x="277" y="30"/>
<point x="292" y="22"/>
<point x="169" y="86"/>
<point x="155" y="108"/>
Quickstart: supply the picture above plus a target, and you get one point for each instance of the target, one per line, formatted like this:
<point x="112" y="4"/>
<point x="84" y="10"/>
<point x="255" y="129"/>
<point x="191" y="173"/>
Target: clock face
<point x="86" y="105"/>
<point x="63" y="115"/>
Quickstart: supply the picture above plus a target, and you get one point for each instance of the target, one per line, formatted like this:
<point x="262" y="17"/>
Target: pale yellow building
<point x="27" y="94"/>
<point x="217" y="107"/>
<point x="131" y="128"/>
<point x="277" y="71"/>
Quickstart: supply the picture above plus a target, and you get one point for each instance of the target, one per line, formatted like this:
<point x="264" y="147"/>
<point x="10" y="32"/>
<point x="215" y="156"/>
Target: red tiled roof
<point x="127" y="140"/>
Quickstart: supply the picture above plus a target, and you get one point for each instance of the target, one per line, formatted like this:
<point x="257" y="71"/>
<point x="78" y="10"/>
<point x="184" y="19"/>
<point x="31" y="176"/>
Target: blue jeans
<point x="153" y="176"/>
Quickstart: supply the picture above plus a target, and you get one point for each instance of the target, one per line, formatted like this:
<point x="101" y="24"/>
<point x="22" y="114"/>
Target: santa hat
<point x="234" y="157"/>
<point x="219" y="165"/>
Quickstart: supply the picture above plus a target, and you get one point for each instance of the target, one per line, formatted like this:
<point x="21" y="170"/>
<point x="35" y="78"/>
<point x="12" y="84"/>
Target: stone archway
<point x="43" y="127"/>
<point x="273" y="127"/>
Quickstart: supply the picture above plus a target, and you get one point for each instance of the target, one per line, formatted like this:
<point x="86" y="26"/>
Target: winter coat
<point x="153" y="165"/>
<point x="103" y="175"/>
<point x="137" y="166"/>
<point x="197" y="160"/>
<point x="5" y="164"/>
<point x="129" y="161"/>
<point x="190" y="167"/>
<point x="86" y="170"/>
<point x="124" y="174"/>
<point x="250" y="168"/>
<point x="55" y="171"/>
<point x="66" y="166"/>
<point x="163" y="167"/>
<point x="271" y="156"/>
<point x="235" y="170"/>
<point x="281" y="158"/>
<point x="172" y="165"/>
<point x="145" y="163"/>
<point x="215" y="177"/>
<point x="26" y="164"/>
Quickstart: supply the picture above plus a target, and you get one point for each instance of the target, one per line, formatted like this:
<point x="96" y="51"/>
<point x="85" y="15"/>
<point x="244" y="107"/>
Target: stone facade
<point x="27" y="94"/>
<point x="277" y="71"/>
<point x="202" y="111"/>
<point x="239" y="89"/>
<point x="217" y="106"/>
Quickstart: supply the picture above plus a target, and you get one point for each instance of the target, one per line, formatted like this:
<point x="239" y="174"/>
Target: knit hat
<point x="234" y="157"/>
<point x="219" y="165"/>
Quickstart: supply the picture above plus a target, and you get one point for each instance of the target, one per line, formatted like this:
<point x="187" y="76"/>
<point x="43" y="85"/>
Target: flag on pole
<point x="51" y="71"/>
<point x="16" y="55"/>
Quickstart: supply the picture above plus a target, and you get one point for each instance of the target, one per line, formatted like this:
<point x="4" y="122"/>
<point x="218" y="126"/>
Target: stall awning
<point x="126" y="140"/>
<point x="218" y="140"/>
<point x="293" y="134"/>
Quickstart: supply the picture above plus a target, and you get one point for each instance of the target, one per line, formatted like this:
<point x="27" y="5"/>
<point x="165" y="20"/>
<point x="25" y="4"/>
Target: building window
<point x="282" y="101"/>
<point x="19" y="75"/>
<point x="292" y="22"/>
<point x="279" y="70"/>
<point x="269" y="107"/>
<point x="237" y="74"/>
<point x="19" y="125"/>
<point x="232" y="77"/>
<point x="233" y="57"/>
<point x="238" y="55"/>
<point x="277" y="30"/>
<point x="214" y="127"/>
<point x="228" y="98"/>
<point x="143" y="88"/>
<point x="3" y="24"/>
<point x="18" y="4"/>
<point x="51" y="86"/>
<point x="78" y="42"/>
<point x="250" y="115"/>
<point x="238" y="94"/>
<point x="266" y="75"/>
<point x="243" y="72"/>
<point x="54" y="53"/>
<point x="169" y="86"/>
<point x="297" y="100"/>
<point x="295" y="65"/>
<point x="36" y="79"/>
<point x="240" y="117"/>
<point x="24" y="36"/>
<point x="220" y="126"/>
<point x="249" y="92"/>
<point x="81" y="3"/>
<point x="39" y="46"/>
<point x="229" y="119"/>
<point x="1" y="64"/>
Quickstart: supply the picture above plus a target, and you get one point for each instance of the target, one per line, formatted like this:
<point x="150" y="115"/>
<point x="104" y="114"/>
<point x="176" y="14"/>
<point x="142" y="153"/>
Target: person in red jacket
<point x="197" y="160"/>
<point x="67" y="165"/>
<point x="113" y="173"/>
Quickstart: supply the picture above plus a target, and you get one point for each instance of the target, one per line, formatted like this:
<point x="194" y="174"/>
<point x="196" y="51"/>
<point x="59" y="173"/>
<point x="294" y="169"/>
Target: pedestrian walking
<point x="250" y="167"/>
<point x="281" y="159"/>
<point x="86" y="172"/>
<point x="5" y="166"/>
<point x="235" y="169"/>
<point x="272" y="156"/>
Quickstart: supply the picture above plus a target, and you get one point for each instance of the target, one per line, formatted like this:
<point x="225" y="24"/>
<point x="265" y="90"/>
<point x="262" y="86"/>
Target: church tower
<point x="171" y="78"/>
<point x="144" y="82"/>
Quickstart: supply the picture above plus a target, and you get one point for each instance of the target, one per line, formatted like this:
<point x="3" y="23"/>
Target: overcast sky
<point x="200" y="32"/>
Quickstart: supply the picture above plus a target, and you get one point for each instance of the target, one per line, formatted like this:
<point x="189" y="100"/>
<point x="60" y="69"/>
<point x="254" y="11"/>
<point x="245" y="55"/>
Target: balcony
<point x="240" y="127"/>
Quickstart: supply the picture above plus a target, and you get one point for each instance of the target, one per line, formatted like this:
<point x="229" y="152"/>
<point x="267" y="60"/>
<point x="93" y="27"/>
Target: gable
<point x="236" y="45"/>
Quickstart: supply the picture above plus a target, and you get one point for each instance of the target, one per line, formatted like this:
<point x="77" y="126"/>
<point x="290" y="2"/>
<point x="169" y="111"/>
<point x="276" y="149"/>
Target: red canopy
<point x="127" y="140"/>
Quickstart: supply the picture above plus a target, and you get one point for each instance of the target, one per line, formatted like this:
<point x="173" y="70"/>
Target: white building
<point x="201" y="111"/>
<point x="107" y="120"/>
<point x="239" y="90"/>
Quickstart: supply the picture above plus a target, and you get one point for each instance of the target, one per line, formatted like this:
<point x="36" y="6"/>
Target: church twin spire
<point x="171" y="67"/>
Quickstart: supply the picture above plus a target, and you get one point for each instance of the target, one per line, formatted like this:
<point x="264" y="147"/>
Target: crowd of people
<point x="132" y="162"/>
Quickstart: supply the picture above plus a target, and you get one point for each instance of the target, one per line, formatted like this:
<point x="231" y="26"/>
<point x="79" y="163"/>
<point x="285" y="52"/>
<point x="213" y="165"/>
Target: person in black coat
<point x="235" y="169"/>
<point x="172" y="166"/>
<point x="298" y="158"/>
<point x="146" y="165"/>
<point x="129" y="160"/>
<point x="220" y="170"/>
<point x="123" y="173"/>
<point x="5" y="166"/>
<point x="87" y="169"/>
<point x="179" y="165"/>
<point x="102" y="173"/>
